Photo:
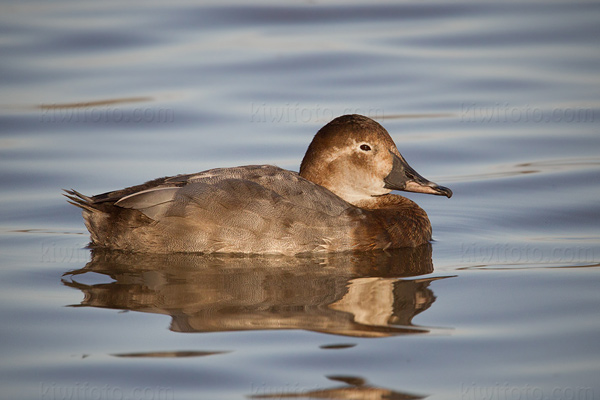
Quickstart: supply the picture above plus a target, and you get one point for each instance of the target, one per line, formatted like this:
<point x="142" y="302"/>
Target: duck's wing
<point x="252" y="209"/>
<point x="160" y="188"/>
<point x="226" y="191"/>
<point x="152" y="202"/>
<point x="160" y="183"/>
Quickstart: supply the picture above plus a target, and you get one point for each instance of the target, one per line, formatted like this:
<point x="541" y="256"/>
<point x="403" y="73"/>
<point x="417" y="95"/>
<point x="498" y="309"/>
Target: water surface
<point x="498" y="101"/>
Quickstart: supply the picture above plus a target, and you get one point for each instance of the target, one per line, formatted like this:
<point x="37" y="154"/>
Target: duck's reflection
<point x="346" y="294"/>
<point x="354" y="388"/>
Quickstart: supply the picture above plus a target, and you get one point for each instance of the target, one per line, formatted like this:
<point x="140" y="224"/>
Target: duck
<point x="340" y="200"/>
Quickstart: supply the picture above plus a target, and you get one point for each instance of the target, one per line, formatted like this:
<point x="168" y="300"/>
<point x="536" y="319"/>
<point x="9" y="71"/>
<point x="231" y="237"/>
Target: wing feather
<point x="152" y="202"/>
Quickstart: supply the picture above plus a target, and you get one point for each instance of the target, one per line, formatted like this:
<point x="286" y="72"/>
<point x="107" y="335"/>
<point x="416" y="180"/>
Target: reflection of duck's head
<point x="355" y="158"/>
<point x="346" y="294"/>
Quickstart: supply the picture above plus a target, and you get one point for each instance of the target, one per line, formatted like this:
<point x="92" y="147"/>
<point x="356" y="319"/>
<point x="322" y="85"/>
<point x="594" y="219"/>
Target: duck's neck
<point x="405" y="223"/>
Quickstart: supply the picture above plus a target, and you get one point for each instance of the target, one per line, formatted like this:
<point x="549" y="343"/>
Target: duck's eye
<point x="365" y="147"/>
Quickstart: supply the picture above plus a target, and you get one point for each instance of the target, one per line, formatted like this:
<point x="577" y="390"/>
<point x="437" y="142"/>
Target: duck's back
<point x="251" y="209"/>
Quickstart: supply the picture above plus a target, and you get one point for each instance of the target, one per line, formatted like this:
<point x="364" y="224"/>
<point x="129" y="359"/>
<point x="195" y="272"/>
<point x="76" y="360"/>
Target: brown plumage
<point x="339" y="201"/>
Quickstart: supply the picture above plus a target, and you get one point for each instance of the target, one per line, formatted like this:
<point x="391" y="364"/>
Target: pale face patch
<point x="359" y="170"/>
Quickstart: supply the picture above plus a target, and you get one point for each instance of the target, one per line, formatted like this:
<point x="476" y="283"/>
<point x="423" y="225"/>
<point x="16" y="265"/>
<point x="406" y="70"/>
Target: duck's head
<point x="355" y="158"/>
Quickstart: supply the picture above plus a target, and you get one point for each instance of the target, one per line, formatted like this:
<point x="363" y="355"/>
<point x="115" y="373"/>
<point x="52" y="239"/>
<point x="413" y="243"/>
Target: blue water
<point x="498" y="101"/>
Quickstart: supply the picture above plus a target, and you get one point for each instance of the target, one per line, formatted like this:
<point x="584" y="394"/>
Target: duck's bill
<point x="403" y="177"/>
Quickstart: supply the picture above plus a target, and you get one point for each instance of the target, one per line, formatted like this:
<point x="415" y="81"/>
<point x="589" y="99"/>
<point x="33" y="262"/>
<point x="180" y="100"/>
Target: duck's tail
<point x="80" y="200"/>
<point x="95" y="217"/>
<point x="109" y="225"/>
